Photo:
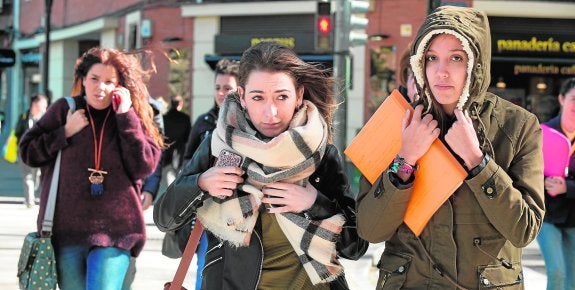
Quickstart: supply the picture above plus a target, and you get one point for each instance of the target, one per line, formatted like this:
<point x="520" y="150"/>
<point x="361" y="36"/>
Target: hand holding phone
<point x="228" y="158"/>
<point x="116" y="101"/>
<point x="220" y="180"/>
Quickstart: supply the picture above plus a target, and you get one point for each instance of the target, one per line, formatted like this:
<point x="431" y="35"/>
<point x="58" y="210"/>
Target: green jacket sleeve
<point x="513" y="199"/>
<point x="381" y="207"/>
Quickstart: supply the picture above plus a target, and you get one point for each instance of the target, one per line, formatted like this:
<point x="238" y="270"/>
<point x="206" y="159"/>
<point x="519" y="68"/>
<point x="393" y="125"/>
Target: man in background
<point x="177" y="126"/>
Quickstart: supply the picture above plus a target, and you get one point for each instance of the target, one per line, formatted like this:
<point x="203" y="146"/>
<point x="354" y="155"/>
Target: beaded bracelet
<point x="400" y="165"/>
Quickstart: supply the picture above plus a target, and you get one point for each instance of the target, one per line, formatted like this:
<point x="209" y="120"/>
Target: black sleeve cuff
<point x="322" y="208"/>
<point x="399" y="183"/>
<point x="477" y="169"/>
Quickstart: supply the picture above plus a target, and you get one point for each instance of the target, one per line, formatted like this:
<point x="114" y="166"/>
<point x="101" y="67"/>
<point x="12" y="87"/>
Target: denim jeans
<point x="130" y="275"/>
<point x="558" y="249"/>
<point x="96" y="268"/>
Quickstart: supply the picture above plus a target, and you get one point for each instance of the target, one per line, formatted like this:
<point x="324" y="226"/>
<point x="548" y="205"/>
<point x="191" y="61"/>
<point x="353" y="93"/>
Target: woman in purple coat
<point x="107" y="149"/>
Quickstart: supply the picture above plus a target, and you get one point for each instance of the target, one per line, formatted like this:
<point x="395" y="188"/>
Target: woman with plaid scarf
<point x="283" y="217"/>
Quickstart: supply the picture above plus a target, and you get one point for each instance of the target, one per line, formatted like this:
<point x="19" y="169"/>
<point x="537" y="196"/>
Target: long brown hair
<point x="273" y="57"/>
<point x="131" y="77"/>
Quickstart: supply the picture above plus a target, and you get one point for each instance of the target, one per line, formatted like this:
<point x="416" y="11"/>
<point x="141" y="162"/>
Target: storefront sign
<point x="526" y="45"/>
<point x="236" y="44"/>
<point x="287" y="41"/>
<point x="547" y="69"/>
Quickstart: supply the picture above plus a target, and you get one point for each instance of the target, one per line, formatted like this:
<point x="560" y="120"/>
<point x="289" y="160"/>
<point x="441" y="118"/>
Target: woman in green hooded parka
<point x="475" y="239"/>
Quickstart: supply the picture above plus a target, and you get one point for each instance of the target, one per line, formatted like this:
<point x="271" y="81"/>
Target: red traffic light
<point x="324" y="24"/>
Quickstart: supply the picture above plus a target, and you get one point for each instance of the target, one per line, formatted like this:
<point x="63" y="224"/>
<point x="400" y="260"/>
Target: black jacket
<point x="239" y="268"/>
<point x="178" y="128"/>
<point x="204" y="124"/>
<point x="560" y="210"/>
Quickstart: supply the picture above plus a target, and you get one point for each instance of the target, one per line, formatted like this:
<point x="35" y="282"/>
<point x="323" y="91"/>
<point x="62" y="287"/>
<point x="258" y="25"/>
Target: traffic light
<point x="356" y="21"/>
<point x="323" y="27"/>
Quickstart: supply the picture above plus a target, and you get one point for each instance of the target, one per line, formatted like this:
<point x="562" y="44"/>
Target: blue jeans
<point x="558" y="249"/>
<point x="201" y="254"/>
<point x="96" y="268"/>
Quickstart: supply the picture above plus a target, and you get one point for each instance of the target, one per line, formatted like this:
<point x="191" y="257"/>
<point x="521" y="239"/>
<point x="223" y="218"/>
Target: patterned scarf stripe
<point x="229" y="135"/>
<point x="314" y="230"/>
<point x="322" y="271"/>
<point x="300" y="143"/>
<point x="257" y="175"/>
<point x="309" y="232"/>
<point x="311" y="229"/>
<point x="317" y="157"/>
<point x="246" y="205"/>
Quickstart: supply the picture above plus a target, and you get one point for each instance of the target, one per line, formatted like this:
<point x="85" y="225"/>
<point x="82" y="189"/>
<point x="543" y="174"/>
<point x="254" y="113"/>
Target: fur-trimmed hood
<point x="471" y="27"/>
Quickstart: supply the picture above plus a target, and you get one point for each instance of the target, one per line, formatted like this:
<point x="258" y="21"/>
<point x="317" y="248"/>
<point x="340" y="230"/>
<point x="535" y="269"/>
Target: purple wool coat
<point x="128" y="154"/>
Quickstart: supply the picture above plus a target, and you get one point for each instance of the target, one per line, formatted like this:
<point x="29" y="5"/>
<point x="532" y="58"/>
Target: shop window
<point x="133" y="36"/>
<point x="382" y="76"/>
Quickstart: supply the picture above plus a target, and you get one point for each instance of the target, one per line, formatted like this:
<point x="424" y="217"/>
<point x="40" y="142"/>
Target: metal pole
<point x="341" y="56"/>
<point x="46" y="58"/>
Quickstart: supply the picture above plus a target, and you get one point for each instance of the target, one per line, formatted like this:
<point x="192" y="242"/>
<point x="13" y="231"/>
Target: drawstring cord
<point x="438" y="267"/>
<point x="481" y="130"/>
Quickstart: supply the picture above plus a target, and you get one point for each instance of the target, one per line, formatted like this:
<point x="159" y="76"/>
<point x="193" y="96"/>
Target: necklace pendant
<point x="97" y="180"/>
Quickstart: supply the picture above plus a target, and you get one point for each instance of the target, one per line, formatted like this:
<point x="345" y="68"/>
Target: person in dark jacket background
<point x="284" y="216"/>
<point x="178" y="127"/>
<point x="107" y="150"/>
<point x="226" y="81"/>
<point x="30" y="175"/>
<point x="557" y="236"/>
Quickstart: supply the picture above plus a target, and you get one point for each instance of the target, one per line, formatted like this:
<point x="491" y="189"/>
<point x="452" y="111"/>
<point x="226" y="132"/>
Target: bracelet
<point x="400" y="165"/>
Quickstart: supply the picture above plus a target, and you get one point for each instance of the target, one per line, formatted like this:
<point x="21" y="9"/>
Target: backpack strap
<point x="71" y="103"/>
<point x="48" y="220"/>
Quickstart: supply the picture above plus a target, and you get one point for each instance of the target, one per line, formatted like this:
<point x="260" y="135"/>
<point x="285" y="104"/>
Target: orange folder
<point x="373" y="149"/>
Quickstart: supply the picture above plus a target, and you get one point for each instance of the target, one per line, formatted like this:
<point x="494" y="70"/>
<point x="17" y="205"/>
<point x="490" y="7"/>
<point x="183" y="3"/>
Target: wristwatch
<point x="400" y="165"/>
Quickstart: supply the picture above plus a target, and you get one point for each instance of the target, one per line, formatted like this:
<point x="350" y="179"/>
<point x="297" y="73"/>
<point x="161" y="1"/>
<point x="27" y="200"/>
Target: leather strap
<point x="187" y="256"/>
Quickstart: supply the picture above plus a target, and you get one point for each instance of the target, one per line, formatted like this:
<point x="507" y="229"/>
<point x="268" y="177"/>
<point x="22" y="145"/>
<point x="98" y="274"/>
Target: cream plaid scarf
<point x="290" y="157"/>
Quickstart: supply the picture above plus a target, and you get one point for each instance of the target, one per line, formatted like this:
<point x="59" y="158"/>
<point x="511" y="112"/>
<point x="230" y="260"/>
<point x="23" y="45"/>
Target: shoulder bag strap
<point x="191" y="246"/>
<point x="48" y="221"/>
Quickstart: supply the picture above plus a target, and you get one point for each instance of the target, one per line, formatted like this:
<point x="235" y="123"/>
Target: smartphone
<point x="228" y="158"/>
<point x="116" y="100"/>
